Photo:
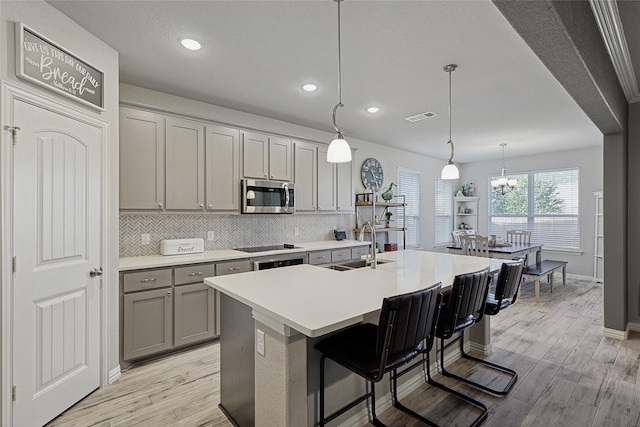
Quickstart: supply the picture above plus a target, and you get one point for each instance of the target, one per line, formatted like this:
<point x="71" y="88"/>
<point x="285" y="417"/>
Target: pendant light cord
<point x="339" y="104"/>
<point x="450" y="68"/>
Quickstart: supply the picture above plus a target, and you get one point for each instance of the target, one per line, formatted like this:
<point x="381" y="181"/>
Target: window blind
<point x="443" y="210"/>
<point x="547" y="203"/>
<point x="409" y="186"/>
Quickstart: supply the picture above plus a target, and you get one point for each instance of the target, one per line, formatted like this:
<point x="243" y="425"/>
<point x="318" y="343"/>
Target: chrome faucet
<point x="371" y="259"/>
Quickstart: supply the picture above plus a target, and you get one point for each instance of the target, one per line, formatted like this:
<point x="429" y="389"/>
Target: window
<point x="409" y="186"/>
<point x="545" y="203"/>
<point x="444" y="211"/>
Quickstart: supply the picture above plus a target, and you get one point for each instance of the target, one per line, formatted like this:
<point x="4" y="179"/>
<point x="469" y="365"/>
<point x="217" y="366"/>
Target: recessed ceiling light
<point x="191" y="44"/>
<point x="373" y="109"/>
<point x="309" y="87"/>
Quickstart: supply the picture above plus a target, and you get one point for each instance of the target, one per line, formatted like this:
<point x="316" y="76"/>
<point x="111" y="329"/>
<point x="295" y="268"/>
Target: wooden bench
<point x="544" y="268"/>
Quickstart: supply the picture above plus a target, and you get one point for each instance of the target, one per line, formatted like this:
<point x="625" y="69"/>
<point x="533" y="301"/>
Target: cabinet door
<point x="141" y="160"/>
<point x="195" y="313"/>
<point x="185" y="164"/>
<point x="255" y="154"/>
<point x="147" y="323"/>
<point x="326" y="181"/>
<point x="344" y="187"/>
<point x="305" y="173"/>
<point x="222" y="168"/>
<point x="280" y="159"/>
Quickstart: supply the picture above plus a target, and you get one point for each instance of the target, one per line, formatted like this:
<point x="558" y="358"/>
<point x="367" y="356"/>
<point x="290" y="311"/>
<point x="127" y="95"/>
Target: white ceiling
<point x="257" y="54"/>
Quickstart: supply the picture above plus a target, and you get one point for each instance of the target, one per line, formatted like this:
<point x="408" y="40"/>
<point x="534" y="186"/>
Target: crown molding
<point x="608" y="19"/>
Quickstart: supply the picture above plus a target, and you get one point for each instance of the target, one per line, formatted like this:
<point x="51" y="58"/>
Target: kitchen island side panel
<point x="237" y="363"/>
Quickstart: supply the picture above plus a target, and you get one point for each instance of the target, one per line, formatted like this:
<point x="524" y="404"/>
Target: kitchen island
<point x="288" y="309"/>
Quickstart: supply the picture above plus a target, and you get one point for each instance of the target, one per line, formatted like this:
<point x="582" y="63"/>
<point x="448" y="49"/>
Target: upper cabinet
<point x="184" y="164"/>
<point x="222" y="168"/>
<point x="305" y="176"/>
<point x="267" y="157"/>
<point x="141" y="160"/>
<point x="326" y="181"/>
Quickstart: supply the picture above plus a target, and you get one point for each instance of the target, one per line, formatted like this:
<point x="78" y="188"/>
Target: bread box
<point x="181" y="246"/>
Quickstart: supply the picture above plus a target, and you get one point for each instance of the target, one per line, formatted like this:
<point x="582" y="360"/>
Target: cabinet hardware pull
<point x="169" y="293"/>
<point x="234" y="268"/>
<point x="153" y="279"/>
<point x="199" y="273"/>
<point x="210" y="206"/>
<point x="160" y="204"/>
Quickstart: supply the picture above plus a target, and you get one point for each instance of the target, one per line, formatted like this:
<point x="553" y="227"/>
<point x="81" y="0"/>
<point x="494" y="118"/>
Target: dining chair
<point x="406" y="326"/>
<point x="518" y="236"/>
<point x="475" y="245"/>
<point x="455" y="237"/>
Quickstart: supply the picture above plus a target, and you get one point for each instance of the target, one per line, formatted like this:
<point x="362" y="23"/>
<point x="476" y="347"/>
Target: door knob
<point x="96" y="272"/>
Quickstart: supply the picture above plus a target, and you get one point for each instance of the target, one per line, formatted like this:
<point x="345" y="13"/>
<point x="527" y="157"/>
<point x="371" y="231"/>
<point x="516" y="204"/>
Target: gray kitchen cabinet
<point x="184" y="164"/>
<point x="141" y="160"/>
<point x="326" y="182"/>
<point x="359" y="252"/>
<point x="222" y="168"/>
<point x="195" y="313"/>
<point x="305" y="175"/>
<point x="233" y="267"/>
<point x="147" y="323"/>
<point x="266" y="157"/>
<point x="319" y="257"/>
<point x="341" y="255"/>
<point x="344" y="187"/>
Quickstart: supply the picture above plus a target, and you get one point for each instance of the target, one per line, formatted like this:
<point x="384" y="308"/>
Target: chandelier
<point x="503" y="185"/>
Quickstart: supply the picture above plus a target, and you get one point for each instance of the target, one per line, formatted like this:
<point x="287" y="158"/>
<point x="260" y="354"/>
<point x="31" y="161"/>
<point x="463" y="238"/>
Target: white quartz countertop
<point x="315" y="300"/>
<point x="154" y="261"/>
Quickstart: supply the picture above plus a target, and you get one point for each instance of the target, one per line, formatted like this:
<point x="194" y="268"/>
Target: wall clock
<point x="371" y="174"/>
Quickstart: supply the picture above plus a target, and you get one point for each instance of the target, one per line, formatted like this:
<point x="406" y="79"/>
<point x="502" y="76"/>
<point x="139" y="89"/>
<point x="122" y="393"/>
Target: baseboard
<point x="483" y="349"/>
<point x="633" y="326"/>
<point x="114" y="374"/>
<point x="384" y="402"/>
<point x="580" y="277"/>
<point x="616" y="334"/>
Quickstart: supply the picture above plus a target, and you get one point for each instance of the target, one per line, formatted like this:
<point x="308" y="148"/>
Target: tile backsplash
<point x="230" y="231"/>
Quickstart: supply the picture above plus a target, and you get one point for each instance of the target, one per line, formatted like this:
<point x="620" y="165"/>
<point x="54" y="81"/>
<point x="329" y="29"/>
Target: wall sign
<point x="46" y="64"/>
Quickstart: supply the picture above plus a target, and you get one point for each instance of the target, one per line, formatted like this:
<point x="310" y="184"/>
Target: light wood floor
<point x="569" y="375"/>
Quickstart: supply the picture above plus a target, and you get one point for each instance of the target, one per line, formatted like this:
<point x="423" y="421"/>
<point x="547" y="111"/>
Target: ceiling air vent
<point x="421" y="116"/>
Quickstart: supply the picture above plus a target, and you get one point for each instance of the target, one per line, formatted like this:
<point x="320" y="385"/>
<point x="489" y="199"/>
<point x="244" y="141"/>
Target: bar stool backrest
<point x="406" y="321"/>
<point x="464" y="305"/>
<point x="508" y="282"/>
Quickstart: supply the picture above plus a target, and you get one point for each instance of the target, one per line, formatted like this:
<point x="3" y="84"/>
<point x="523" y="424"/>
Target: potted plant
<point x="388" y="214"/>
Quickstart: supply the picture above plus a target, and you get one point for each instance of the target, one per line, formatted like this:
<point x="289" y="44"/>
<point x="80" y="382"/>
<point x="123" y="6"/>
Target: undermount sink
<point x="353" y="265"/>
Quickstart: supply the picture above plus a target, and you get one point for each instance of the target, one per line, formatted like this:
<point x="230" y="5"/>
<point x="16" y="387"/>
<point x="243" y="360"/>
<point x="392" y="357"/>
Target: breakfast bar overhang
<point x="272" y="318"/>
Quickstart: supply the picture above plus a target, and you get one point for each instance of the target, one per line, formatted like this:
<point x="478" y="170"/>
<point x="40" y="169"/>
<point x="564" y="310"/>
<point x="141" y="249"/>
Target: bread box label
<point x="181" y="246"/>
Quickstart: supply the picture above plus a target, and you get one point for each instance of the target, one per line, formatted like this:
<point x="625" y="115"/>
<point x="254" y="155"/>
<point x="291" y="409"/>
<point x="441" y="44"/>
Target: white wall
<point x="60" y="29"/>
<point x="390" y="158"/>
<point x="589" y="160"/>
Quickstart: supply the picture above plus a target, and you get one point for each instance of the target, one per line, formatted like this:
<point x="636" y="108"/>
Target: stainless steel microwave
<point x="267" y="196"/>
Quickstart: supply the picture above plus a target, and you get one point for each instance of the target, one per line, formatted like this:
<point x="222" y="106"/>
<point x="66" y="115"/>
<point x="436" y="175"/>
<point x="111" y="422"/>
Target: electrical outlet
<point x="145" y="239"/>
<point x="335" y="228"/>
<point x="210" y="236"/>
<point x="296" y="231"/>
<point x="260" y="342"/>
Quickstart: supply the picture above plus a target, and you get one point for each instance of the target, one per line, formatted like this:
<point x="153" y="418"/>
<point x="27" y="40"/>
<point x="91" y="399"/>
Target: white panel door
<point x="57" y="206"/>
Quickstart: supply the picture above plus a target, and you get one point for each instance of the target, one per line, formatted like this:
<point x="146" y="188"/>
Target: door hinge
<point x="14" y="392"/>
<point x="14" y="264"/>
<point x="14" y="131"/>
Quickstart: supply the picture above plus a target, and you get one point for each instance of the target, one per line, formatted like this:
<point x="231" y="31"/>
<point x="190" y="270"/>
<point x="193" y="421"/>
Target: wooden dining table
<point x="510" y="251"/>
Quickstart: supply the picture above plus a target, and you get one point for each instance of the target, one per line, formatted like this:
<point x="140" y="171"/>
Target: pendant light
<point x="339" y="150"/>
<point x="503" y="185"/>
<point x="450" y="171"/>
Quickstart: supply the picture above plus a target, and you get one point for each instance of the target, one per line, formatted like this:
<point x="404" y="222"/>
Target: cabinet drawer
<point x="233" y="267"/>
<point x="358" y="253"/>
<point x="322" y="257"/>
<point x="193" y="273"/>
<point x="338" y="255"/>
<point x="142" y="280"/>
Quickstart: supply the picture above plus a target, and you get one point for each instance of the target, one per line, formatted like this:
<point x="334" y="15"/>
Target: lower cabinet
<point x="168" y="308"/>
<point x="147" y="323"/>
<point x="195" y="313"/>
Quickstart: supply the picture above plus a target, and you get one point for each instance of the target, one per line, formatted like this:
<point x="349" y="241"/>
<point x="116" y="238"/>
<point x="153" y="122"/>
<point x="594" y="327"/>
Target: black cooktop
<point x="267" y="248"/>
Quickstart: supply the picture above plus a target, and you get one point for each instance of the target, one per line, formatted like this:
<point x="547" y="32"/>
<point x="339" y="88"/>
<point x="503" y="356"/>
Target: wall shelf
<point x="460" y="215"/>
<point x="363" y="214"/>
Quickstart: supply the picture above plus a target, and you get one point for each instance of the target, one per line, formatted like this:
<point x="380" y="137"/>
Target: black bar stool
<point x="506" y="293"/>
<point x="370" y="351"/>
<point x="461" y="308"/>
